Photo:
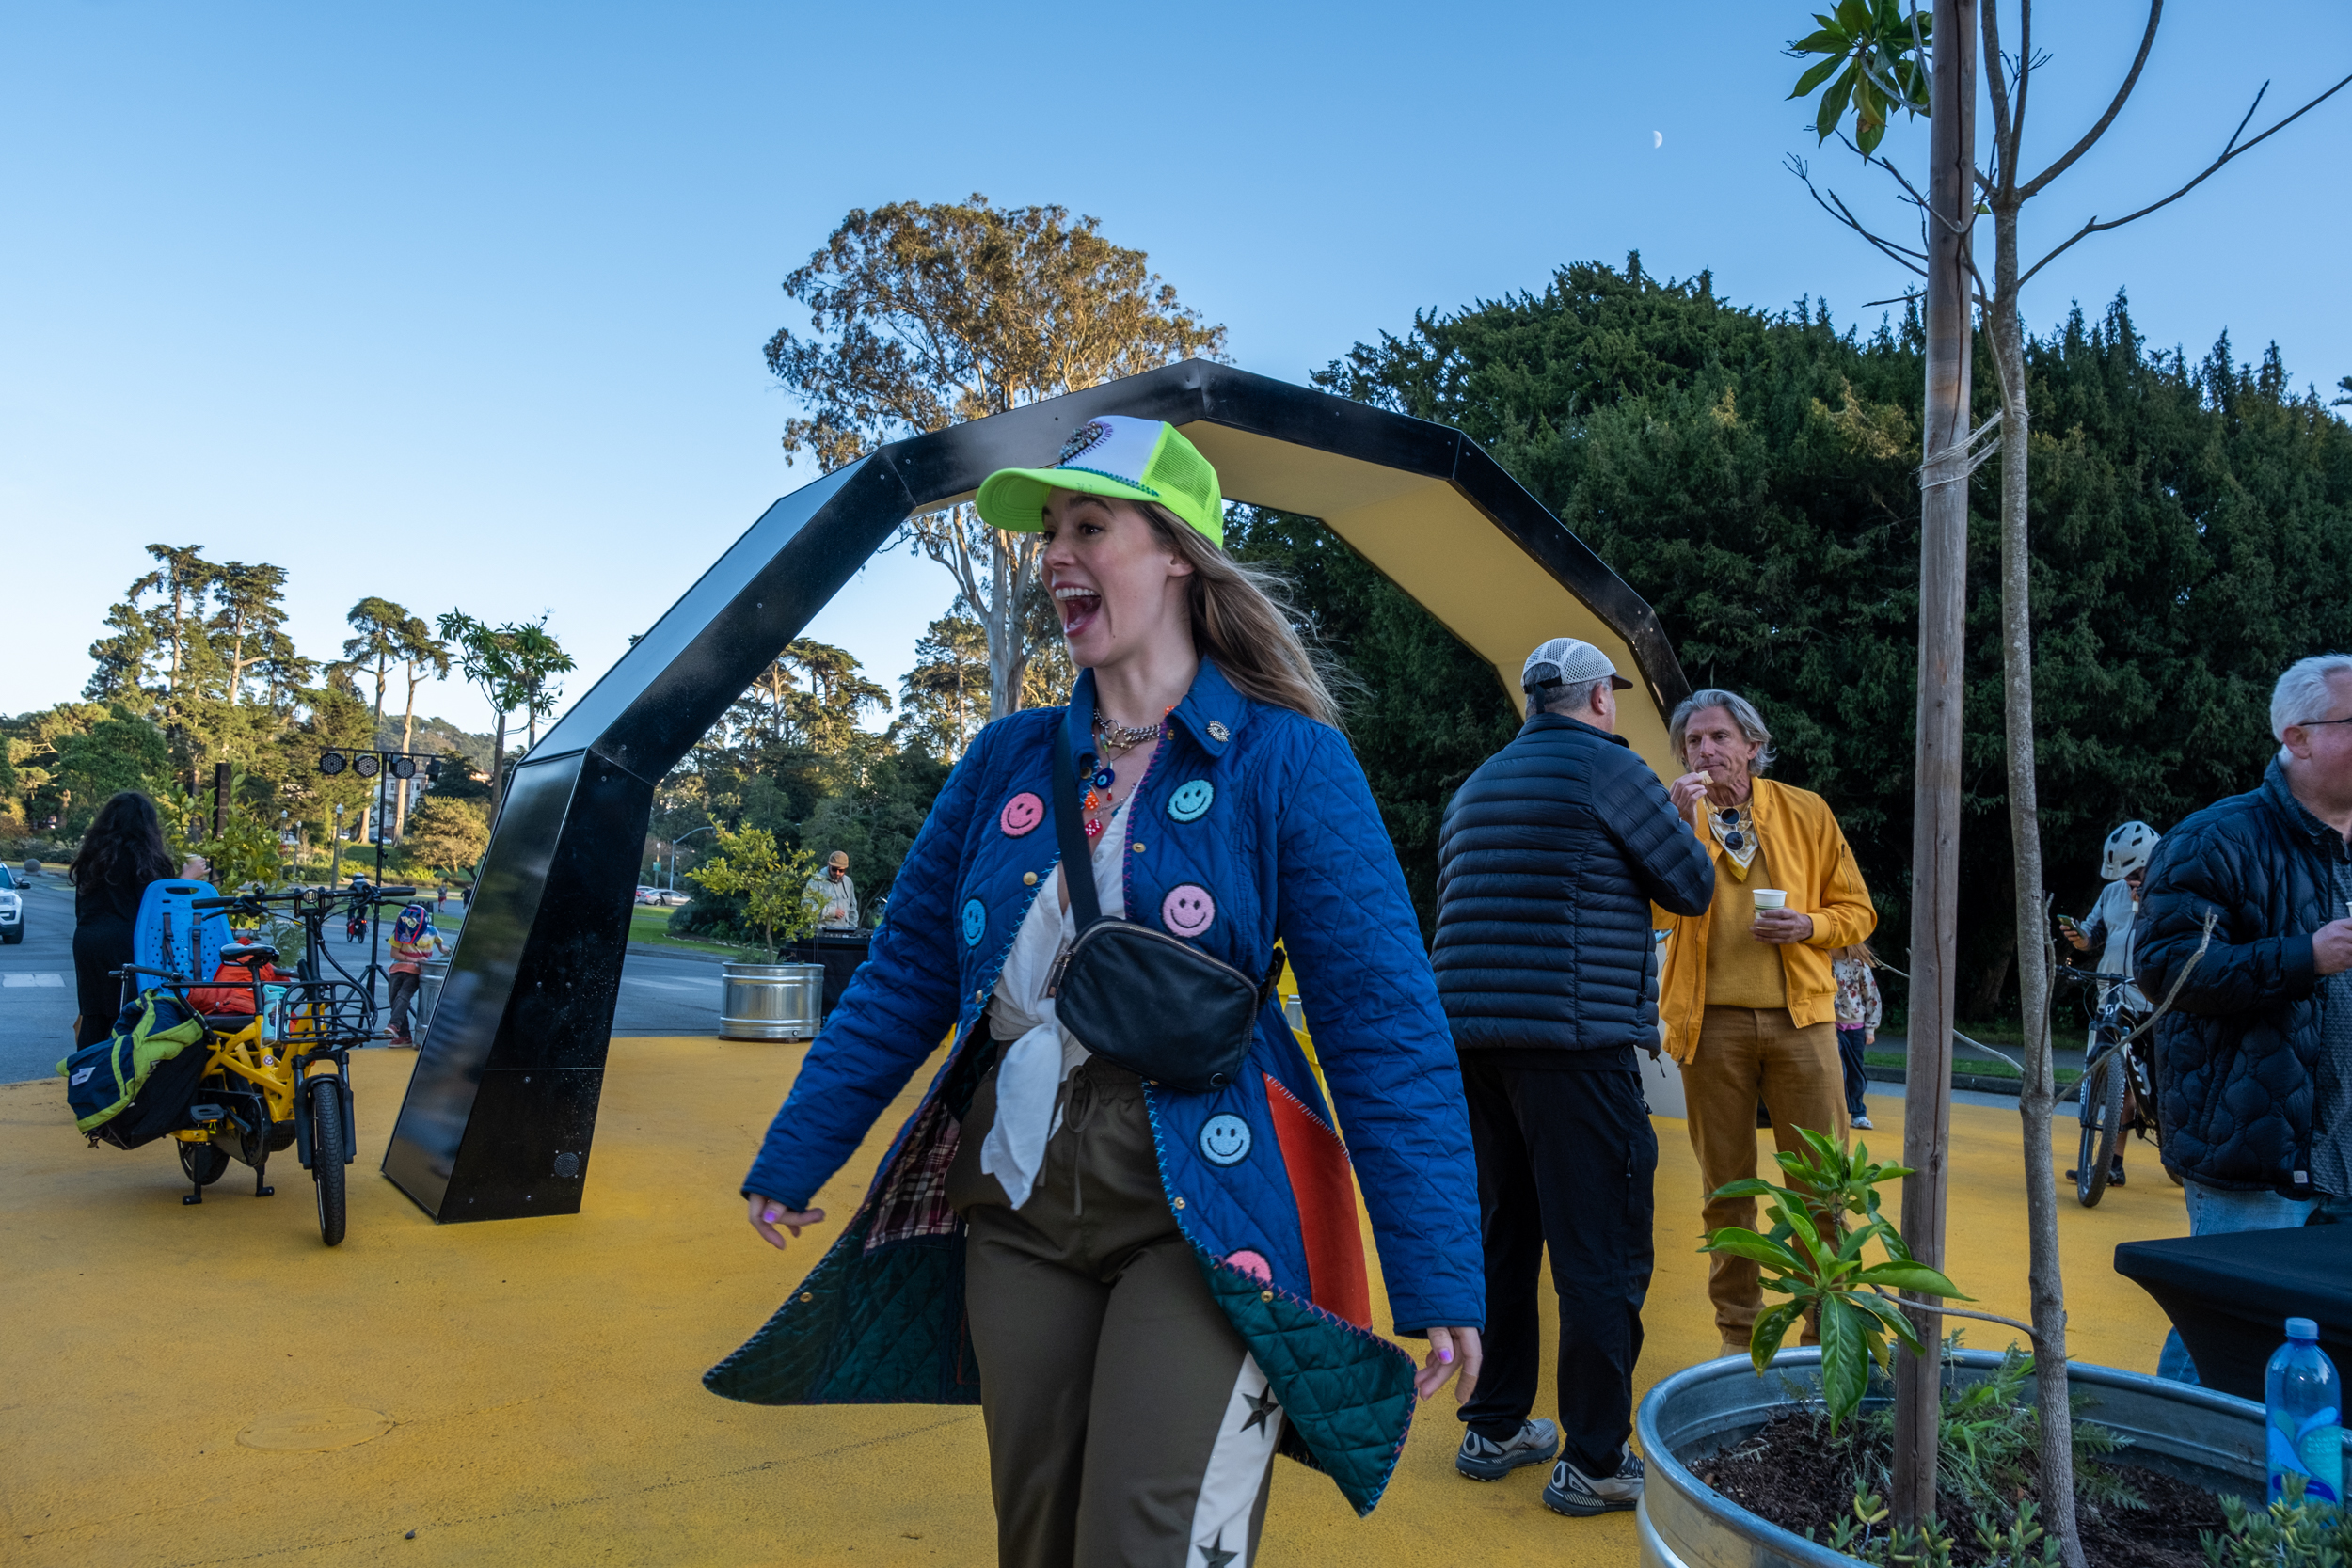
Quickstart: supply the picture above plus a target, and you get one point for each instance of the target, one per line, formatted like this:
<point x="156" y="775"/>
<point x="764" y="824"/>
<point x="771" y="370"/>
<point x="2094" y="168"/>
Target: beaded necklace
<point x="1118" y="740"/>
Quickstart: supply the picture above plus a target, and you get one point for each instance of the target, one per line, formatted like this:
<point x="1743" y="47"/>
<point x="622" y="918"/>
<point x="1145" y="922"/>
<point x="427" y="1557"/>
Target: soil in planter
<point x="1788" y="1474"/>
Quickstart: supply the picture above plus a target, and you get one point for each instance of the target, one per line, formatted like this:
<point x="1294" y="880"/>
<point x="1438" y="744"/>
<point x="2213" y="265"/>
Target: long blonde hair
<point x="1242" y="618"/>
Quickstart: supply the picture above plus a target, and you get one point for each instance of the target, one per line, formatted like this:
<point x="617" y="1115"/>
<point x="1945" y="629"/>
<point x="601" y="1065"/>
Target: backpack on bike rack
<point x="136" y="1085"/>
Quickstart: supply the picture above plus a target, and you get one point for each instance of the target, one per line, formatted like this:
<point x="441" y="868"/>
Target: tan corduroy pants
<point x="1746" y="1054"/>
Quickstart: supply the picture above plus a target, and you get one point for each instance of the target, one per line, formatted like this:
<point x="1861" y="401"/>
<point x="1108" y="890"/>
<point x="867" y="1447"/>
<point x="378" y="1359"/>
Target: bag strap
<point x="1077" y="862"/>
<point x="1069" y="828"/>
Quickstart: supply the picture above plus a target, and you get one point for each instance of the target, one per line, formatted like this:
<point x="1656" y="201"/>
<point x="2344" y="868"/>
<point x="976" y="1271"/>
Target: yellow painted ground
<point x="528" y="1393"/>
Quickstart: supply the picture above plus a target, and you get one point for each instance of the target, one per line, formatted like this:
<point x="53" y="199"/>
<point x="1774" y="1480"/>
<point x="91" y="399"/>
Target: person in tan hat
<point x="834" y="895"/>
<point x="1747" y="999"/>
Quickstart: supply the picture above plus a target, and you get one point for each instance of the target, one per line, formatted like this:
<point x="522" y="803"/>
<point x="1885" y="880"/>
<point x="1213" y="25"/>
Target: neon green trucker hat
<point x="1114" y="455"/>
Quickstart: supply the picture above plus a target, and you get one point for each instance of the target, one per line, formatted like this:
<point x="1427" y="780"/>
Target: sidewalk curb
<point x="2009" y="1088"/>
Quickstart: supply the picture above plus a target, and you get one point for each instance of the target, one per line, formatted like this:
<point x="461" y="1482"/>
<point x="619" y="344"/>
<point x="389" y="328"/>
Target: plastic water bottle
<point x="2306" y="1415"/>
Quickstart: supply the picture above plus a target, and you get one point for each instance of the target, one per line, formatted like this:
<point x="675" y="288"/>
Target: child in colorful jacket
<point x="1854" y="970"/>
<point x="1150" y="1292"/>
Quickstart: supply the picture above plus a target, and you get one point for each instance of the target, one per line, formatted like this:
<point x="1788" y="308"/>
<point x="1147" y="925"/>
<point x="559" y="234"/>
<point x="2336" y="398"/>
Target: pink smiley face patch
<point x="1188" y="909"/>
<point x="1022" y="813"/>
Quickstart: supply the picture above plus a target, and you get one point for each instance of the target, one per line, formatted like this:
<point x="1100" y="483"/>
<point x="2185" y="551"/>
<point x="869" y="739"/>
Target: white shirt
<point x="1042" y="1054"/>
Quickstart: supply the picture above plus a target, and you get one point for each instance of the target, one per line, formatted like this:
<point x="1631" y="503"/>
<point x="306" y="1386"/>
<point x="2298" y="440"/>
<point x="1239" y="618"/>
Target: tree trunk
<point x="1935" y="828"/>
<point x="400" y="792"/>
<point x="498" y="765"/>
<point x="2045" y="1283"/>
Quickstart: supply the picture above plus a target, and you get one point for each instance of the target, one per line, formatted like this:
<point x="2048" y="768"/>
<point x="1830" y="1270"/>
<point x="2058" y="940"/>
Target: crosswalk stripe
<point x="36" y="978"/>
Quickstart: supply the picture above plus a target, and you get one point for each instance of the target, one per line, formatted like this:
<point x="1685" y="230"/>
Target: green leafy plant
<point x="1879" y="58"/>
<point x="1822" y="1223"/>
<point x="2293" y="1532"/>
<point x="773" y="883"/>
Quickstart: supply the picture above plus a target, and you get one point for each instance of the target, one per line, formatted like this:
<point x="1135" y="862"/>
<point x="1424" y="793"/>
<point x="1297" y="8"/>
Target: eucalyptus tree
<point x="924" y="316"/>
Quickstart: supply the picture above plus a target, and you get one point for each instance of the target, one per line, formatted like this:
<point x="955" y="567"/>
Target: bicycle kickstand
<point x="196" y="1196"/>
<point x="260" y="1190"/>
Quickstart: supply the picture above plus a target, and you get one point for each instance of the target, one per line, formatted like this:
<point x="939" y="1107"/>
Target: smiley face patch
<point x="1225" y="1140"/>
<point x="1021" y="815"/>
<point x="1188" y="910"/>
<point x="1191" y="801"/>
<point x="974" y="922"/>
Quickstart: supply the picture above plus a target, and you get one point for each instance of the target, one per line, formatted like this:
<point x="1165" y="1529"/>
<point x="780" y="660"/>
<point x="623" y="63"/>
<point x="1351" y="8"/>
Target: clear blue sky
<point x="463" y="305"/>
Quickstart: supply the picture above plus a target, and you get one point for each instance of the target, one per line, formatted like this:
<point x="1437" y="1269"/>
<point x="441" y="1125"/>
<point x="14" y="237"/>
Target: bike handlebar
<point x="2083" y="976"/>
<point x="253" y="901"/>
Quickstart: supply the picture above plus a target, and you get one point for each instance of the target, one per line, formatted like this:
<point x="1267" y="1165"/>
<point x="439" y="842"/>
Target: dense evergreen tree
<point x="1751" y="474"/>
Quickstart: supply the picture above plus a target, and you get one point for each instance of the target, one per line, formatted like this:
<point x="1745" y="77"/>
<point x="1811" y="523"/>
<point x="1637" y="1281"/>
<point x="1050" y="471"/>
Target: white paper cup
<point x="1771" y="898"/>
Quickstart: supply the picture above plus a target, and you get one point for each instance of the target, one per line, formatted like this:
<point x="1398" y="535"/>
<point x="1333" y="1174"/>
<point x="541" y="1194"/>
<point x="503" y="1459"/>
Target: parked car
<point x="12" y="908"/>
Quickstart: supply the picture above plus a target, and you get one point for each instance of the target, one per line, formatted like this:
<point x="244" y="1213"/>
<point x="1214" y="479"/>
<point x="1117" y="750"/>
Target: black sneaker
<point x="1579" y="1497"/>
<point x="1484" y="1459"/>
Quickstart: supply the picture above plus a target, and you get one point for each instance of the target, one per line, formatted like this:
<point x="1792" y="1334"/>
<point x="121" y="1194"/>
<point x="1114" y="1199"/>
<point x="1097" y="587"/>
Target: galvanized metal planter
<point x="2195" y="1433"/>
<point x="770" y="1001"/>
<point x="434" y="971"/>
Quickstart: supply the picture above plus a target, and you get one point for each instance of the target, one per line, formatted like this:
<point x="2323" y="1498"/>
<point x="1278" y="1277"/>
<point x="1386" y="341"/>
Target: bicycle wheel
<point x="204" y="1163"/>
<point x="327" y="1158"/>
<point x="2101" y="1114"/>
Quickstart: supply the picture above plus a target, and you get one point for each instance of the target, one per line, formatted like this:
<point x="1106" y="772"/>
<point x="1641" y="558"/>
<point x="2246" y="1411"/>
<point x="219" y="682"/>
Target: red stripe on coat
<point x="1316" y="1163"/>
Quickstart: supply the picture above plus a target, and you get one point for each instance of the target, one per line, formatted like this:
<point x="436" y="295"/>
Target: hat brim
<point x="1014" y="498"/>
<point x="1618" y="683"/>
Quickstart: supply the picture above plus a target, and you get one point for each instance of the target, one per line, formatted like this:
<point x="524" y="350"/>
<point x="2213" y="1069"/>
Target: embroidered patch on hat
<point x="1084" y="439"/>
<point x="974" y="922"/>
<point x="1188" y="909"/>
<point x="1022" y="814"/>
<point x="1191" y="801"/>
<point x="1225" y="1141"/>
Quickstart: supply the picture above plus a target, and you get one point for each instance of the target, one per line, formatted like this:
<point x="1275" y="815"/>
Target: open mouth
<point x="1078" y="607"/>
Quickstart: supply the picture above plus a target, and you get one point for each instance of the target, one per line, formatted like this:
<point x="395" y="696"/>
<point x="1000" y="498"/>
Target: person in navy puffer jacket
<point x="1550" y="856"/>
<point x="1149" y="1292"/>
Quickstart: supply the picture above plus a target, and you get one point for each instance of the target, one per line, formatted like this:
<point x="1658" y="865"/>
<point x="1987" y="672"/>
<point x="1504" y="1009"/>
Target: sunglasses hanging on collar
<point x="1734" y="827"/>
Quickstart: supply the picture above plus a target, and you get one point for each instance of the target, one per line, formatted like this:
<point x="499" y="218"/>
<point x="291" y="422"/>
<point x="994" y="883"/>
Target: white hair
<point x="2302" y="694"/>
<point x="1573" y="699"/>
<point x="1742" y="714"/>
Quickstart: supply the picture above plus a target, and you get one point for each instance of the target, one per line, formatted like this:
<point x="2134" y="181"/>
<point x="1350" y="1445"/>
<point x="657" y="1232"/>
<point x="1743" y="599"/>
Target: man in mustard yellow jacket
<point x="1746" y="998"/>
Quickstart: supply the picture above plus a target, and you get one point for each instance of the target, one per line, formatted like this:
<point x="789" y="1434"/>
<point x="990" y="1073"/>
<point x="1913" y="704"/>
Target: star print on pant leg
<point x="1261" y="1406"/>
<point x="1216" y="1556"/>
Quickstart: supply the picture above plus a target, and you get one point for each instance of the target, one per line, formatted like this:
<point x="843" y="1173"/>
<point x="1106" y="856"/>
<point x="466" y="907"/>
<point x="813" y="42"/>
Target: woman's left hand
<point x="1451" y="1351"/>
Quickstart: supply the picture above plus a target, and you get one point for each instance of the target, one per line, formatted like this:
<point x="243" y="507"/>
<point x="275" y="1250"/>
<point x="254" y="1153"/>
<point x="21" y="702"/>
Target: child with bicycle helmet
<point x="2122" y="863"/>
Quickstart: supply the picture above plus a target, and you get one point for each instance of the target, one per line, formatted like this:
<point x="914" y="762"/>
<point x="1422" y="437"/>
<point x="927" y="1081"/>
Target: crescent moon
<point x="1658" y="139"/>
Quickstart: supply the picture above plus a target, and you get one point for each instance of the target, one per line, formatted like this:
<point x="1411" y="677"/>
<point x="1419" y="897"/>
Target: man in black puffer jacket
<point x="2255" y="1061"/>
<point x="1548" y="860"/>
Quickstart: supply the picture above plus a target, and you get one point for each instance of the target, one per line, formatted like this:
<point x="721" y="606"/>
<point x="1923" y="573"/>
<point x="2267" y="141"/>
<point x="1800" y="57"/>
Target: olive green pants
<point x="1127" y="1424"/>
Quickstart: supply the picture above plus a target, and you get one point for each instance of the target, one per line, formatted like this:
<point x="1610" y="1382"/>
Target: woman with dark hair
<point x="122" y="853"/>
<point x="1150" y="1282"/>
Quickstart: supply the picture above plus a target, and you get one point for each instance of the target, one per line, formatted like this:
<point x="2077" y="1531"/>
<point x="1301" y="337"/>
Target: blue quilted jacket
<point x="1262" y="817"/>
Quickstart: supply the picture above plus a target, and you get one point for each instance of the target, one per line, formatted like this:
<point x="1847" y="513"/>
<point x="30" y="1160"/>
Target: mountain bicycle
<point x="2119" y="1086"/>
<point x="279" y="1073"/>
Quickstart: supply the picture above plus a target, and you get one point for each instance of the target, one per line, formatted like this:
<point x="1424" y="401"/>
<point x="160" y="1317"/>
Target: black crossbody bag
<point x="1139" y="998"/>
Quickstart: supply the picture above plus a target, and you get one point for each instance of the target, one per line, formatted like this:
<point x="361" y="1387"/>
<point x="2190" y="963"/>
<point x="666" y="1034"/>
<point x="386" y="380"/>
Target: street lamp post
<point x="674" y="843"/>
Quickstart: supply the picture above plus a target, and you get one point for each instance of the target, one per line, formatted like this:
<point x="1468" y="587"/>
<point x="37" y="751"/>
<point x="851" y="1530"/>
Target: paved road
<point x="37" y="984"/>
<point x="661" y="993"/>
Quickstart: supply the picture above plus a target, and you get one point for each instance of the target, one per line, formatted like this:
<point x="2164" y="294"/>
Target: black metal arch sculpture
<point x="501" y="1110"/>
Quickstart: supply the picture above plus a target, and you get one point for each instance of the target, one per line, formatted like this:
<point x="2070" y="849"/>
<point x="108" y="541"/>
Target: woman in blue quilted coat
<point x="1150" y="1293"/>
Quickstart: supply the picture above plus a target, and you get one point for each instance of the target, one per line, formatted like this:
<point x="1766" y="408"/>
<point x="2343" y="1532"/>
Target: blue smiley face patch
<point x="974" y="922"/>
<point x="1191" y="801"/>
<point x="1225" y="1140"/>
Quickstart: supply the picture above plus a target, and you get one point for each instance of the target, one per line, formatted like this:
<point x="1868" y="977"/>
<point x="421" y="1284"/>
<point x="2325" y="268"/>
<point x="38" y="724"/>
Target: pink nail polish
<point x="1445" y="1354"/>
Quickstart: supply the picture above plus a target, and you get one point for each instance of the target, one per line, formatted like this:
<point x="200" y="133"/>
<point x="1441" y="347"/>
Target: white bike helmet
<point x="2129" y="848"/>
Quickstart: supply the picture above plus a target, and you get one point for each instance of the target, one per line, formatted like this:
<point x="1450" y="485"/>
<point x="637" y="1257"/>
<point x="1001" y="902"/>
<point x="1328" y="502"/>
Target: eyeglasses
<point x="2314" y="724"/>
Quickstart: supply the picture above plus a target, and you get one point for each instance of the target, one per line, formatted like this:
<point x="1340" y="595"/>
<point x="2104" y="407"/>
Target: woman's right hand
<point x="767" y="1213"/>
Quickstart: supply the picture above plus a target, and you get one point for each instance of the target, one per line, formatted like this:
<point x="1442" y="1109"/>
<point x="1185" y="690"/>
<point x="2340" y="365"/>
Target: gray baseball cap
<point x="1567" y="662"/>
